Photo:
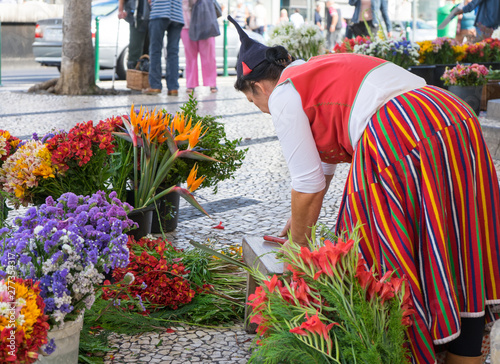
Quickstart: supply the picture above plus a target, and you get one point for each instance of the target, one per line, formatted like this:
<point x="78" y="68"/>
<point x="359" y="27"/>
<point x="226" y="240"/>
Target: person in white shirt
<point x="296" y="18"/>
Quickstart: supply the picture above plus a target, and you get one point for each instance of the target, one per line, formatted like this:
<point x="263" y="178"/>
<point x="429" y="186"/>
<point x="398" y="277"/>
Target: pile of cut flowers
<point x="333" y="310"/>
<point x="164" y="287"/>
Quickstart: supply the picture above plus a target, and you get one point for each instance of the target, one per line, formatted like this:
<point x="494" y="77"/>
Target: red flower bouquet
<point x="332" y="310"/>
<point x="77" y="161"/>
<point x="23" y="325"/>
<point x="159" y="278"/>
<point x="347" y="46"/>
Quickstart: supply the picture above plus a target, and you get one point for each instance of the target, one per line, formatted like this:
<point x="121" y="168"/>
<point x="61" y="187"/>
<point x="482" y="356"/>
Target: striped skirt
<point x="423" y="185"/>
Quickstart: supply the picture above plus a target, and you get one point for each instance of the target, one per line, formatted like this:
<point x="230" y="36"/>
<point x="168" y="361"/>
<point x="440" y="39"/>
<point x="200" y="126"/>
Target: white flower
<point x="37" y="230"/>
<point x="4" y="309"/>
<point x="129" y="278"/>
<point x="66" y="247"/>
<point x="20" y="320"/>
<point x="20" y="302"/>
<point x="496" y="33"/>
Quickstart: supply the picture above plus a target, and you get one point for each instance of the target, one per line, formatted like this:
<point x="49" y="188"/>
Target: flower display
<point x="215" y="144"/>
<point x="23" y="324"/>
<point x="150" y="131"/>
<point x="347" y="46"/>
<point x="8" y="144"/>
<point x="66" y="245"/>
<point x="401" y="52"/>
<point x="487" y="50"/>
<point x="74" y="161"/>
<point x="463" y="75"/>
<point x="159" y="276"/>
<point x="441" y="51"/>
<point x="332" y="309"/>
<point x="302" y="42"/>
<point x="81" y="143"/>
<point x="23" y="170"/>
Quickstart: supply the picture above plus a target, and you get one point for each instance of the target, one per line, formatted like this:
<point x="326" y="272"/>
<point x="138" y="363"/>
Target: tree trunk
<point x="77" y="63"/>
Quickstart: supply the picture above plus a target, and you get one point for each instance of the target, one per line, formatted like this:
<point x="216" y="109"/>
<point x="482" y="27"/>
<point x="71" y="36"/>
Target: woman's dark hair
<point x="277" y="58"/>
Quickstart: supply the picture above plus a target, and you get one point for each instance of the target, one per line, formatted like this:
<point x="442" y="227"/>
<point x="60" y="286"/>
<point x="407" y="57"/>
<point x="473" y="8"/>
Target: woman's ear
<point x="263" y="87"/>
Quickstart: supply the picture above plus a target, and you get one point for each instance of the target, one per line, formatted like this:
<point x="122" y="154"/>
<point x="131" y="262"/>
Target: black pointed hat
<point x="252" y="53"/>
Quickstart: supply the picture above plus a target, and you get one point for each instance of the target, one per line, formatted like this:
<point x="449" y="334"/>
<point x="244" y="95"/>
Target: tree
<point x="77" y="63"/>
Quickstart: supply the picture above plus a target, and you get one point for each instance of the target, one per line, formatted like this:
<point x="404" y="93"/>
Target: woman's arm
<point x="305" y="211"/>
<point x="309" y="182"/>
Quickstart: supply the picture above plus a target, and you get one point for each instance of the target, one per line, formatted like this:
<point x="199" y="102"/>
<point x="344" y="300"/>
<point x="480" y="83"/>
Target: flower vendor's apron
<point x="423" y="185"/>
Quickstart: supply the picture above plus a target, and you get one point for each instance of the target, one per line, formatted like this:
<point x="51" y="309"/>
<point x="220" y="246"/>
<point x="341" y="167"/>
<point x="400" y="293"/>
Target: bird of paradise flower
<point x="148" y="131"/>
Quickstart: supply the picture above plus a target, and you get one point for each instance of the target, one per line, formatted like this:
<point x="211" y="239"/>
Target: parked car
<point x="424" y="30"/>
<point x="114" y="38"/>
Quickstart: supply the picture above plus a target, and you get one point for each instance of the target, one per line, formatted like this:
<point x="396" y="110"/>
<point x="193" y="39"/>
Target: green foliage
<point x="333" y="310"/>
<point x="121" y="167"/>
<point x="214" y="144"/>
<point x="4" y="210"/>
<point x="283" y="347"/>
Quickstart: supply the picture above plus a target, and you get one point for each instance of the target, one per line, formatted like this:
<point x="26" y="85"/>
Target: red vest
<point x="328" y="86"/>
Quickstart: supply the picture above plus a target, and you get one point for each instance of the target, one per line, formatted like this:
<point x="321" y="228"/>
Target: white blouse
<point x="294" y="131"/>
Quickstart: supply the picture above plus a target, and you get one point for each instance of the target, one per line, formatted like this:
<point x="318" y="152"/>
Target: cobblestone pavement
<point x="255" y="203"/>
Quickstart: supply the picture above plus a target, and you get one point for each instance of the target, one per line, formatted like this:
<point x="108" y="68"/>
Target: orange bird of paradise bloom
<point x="192" y="182"/>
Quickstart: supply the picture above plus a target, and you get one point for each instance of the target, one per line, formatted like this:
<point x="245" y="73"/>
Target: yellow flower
<point x="192" y="182"/>
<point x="26" y="306"/>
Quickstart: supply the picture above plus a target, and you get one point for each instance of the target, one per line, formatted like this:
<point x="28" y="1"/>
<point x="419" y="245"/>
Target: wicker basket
<point x="137" y="80"/>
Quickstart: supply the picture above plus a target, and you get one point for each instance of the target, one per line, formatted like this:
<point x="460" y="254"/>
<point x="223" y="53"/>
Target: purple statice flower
<point x="50" y="347"/>
<point x="47" y="137"/>
<point x="66" y="245"/>
<point x="34" y="136"/>
<point x="140" y="302"/>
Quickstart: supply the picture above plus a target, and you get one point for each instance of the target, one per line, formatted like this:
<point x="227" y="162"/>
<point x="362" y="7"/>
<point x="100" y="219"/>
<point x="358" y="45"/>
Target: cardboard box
<point x="137" y="80"/>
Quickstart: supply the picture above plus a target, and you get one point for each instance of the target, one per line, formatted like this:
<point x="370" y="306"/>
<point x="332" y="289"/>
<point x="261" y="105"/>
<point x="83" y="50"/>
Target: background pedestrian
<point x="205" y="48"/>
<point x="166" y="16"/>
<point x="138" y="28"/>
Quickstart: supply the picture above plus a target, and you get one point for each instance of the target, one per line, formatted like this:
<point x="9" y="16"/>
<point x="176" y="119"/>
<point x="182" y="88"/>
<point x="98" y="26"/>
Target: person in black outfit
<point x="136" y="13"/>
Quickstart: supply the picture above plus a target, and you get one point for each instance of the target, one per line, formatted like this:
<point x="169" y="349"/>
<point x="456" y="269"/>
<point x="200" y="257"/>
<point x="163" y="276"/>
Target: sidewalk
<point x="256" y="202"/>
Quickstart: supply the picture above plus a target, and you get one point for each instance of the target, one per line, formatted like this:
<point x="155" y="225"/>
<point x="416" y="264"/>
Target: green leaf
<point x="219" y="255"/>
<point x="196" y="155"/>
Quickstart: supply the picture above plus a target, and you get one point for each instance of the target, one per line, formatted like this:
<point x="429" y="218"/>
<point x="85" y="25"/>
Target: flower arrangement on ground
<point x="465" y="75"/>
<point x="23" y="324"/>
<point x="441" y="51"/>
<point x="347" y="46"/>
<point x="165" y="277"/>
<point x="197" y="286"/>
<point x="334" y="310"/>
<point x="401" y="52"/>
<point x="67" y="245"/>
<point x="302" y="42"/>
<point x="149" y="131"/>
<point x="74" y="161"/>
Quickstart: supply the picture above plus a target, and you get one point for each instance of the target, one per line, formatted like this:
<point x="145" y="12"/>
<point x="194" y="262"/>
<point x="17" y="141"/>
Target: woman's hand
<point x="286" y="229"/>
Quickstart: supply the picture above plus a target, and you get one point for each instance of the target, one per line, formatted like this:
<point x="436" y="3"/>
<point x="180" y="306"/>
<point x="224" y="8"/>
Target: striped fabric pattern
<point x="424" y="186"/>
<point x="171" y="9"/>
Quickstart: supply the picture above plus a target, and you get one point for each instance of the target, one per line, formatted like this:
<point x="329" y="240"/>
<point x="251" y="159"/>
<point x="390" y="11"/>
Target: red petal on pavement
<point x="170" y="331"/>
<point x="218" y="226"/>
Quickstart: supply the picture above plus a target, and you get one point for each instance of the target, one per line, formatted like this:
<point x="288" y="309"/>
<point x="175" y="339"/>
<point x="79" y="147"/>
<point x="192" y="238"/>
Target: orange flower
<point x="194" y="135"/>
<point x="192" y="182"/>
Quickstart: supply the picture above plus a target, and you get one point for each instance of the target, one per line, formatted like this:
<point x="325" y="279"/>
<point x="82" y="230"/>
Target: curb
<point x="492" y="137"/>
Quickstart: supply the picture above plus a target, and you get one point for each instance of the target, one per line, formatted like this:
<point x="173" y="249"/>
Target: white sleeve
<point x="295" y="136"/>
